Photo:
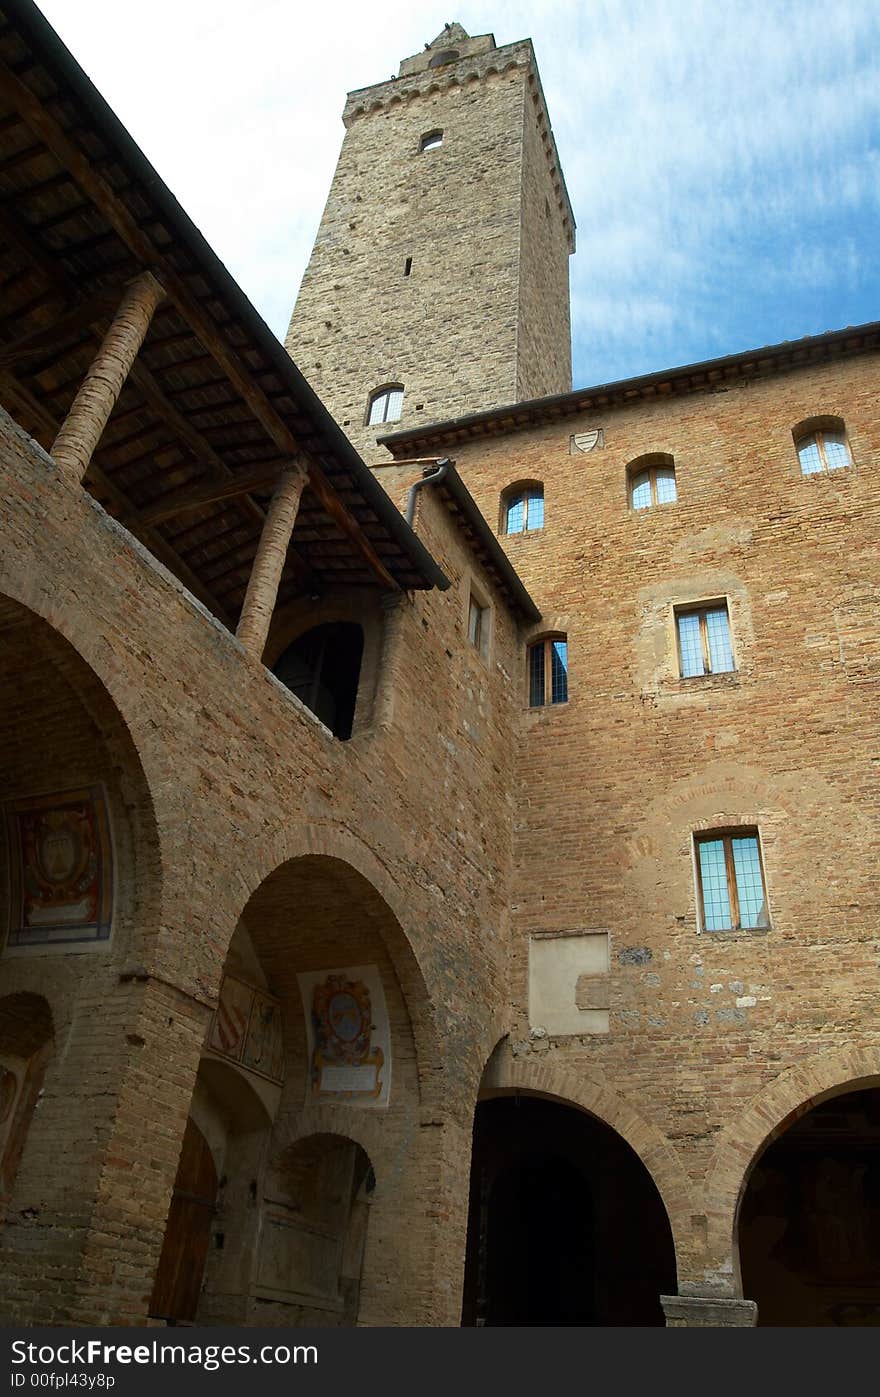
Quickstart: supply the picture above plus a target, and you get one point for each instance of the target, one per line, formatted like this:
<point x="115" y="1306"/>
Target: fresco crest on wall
<point x="61" y="868"/>
<point x="349" y="1042"/>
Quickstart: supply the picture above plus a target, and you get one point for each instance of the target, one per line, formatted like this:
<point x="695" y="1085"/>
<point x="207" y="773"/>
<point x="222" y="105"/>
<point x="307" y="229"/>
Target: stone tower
<point x="441" y="262"/>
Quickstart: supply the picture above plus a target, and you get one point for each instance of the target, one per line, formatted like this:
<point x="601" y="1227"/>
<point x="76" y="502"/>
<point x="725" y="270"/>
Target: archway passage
<point x="566" y="1226"/>
<point x="809" y="1227"/>
<point x="187" y="1233"/>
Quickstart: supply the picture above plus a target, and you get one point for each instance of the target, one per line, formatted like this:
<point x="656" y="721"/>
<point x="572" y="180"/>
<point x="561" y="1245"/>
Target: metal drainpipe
<point x="433" y="479"/>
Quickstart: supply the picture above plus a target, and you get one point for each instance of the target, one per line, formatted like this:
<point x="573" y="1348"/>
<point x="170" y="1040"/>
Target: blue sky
<point x="723" y="161"/>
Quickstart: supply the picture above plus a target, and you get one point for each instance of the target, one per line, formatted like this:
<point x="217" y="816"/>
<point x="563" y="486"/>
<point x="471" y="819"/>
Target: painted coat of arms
<point x="246" y="1028"/>
<point x="61" y="886"/>
<point x="349" y="1048"/>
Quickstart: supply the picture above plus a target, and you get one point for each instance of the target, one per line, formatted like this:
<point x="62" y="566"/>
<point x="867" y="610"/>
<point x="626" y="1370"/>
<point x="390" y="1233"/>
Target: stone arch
<point x="402" y="941"/>
<point x="768" y="1115"/>
<point x="508" y="1075"/>
<point x="322" y="1183"/>
<point x="567" y="1178"/>
<point x="363" y="1128"/>
<point x="133" y="840"/>
<point x="56" y="636"/>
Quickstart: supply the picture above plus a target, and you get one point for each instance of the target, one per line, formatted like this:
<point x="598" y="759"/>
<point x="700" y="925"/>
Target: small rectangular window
<point x="548" y="671"/>
<point x="730" y="881"/>
<point x="478" y="625"/>
<point x="704" y="645"/>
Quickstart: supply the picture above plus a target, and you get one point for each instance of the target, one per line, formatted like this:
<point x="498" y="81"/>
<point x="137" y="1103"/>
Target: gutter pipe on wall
<point x="434" y="478"/>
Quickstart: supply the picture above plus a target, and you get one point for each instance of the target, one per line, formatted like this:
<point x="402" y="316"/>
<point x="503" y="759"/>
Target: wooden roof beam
<point x="154" y="541"/>
<point x="47" y="129"/>
<point x="183" y="500"/>
<point x="80" y="317"/>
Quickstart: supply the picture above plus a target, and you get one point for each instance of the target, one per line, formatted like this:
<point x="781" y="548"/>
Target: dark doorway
<point x="322" y="668"/>
<point x="187" y="1232"/>
<point x="809" y="1225"/>
<point x="566" y="1226"/>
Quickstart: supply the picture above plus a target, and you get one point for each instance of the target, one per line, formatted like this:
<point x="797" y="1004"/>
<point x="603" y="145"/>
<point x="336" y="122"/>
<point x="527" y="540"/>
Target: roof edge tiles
<point x="687" y="378"/>
<point x="47" y="47"/>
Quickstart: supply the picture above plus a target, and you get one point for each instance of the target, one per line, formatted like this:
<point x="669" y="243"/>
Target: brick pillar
<point x="413" y="1266"/>
<point x="708" y="1312"/>
<point x="87" y="1219"/>
<point x="83" y="426"/>
<point x="392" y="607"/>
<point x="262" y="590"/>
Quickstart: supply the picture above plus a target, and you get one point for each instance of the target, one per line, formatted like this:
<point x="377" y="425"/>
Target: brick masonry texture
<point x="705" y="1027"/>
<point x="216" y="776"/>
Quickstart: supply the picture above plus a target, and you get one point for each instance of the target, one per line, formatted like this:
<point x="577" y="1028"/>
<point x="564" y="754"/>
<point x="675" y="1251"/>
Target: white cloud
<point x="710" y="151"/>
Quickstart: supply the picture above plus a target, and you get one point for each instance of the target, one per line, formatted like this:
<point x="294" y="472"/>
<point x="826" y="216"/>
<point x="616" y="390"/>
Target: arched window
<point x="548" y="671"/>
<point x="522" y="508"/>
<point x="431" y="140"/>
<point x="822" y="445"/>
<point x="439" y="60"/>
<point x="322" y="668"/>
<point x="386" y="405"/>
<point x="652" y="481"/>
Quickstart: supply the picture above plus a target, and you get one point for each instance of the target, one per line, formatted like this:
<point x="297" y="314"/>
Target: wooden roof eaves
<point x="456" y="494"/>
<point x="689" y="378"/>
<point x="332" y="447"/>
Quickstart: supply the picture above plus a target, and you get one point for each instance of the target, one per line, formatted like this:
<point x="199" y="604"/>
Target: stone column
<point x="708" y="1312"/>
<point x="83" y="426"/>
<point x="265" y="578"/>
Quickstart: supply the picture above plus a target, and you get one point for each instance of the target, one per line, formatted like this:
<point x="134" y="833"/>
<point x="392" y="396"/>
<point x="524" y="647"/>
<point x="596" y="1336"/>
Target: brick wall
<point x="218" y="778"/>
<point x="612" y="785"/>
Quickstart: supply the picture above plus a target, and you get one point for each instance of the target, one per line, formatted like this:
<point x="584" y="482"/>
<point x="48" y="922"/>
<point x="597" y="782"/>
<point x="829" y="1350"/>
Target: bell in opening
<point x="322" y="667"/>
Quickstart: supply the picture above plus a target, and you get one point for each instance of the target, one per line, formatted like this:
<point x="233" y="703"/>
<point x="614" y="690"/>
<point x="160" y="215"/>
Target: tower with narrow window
<point x="438" y="283"/>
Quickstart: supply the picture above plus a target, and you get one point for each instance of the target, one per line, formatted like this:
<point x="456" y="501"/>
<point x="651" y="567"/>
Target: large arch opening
<point x="79" y="860"/>
<point x="565" y="1225"/>
<point x="809" y="1219"/>
<point x="80" y="890"/>
<point x="308" y="1079"/>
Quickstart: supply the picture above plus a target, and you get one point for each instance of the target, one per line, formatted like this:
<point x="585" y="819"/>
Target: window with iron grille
<point x="822" y="448"/>
<point x="730" y="880"/>
<point x="386" y="405"/>
<point x="704" y="644"/>
<point x="548" y="671"/>
<point x="522" y="509"/>
<point x="652" y="482"/>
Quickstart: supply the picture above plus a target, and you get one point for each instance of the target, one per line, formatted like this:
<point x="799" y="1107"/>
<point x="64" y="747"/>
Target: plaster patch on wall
<point x="569" y="983"/>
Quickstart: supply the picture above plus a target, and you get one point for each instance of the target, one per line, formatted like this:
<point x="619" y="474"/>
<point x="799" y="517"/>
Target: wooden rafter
<point x="44" y="126"/>
<point x="80" y="317"/>
<point x="180" y="501"/>
<point x="163" y="551"/>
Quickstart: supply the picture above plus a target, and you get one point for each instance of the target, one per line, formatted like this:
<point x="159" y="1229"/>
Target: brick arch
<point x="768" y="1115"/>
<point x="81" y="658"/>
<point x="402" y="940"/>
<point x="364" y="1128"/>
<point x="73" y="623"/>
<point x="656" y="1153"/>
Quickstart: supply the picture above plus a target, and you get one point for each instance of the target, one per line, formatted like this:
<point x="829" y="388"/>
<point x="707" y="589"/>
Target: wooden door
<point x="187" y="1232"/>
